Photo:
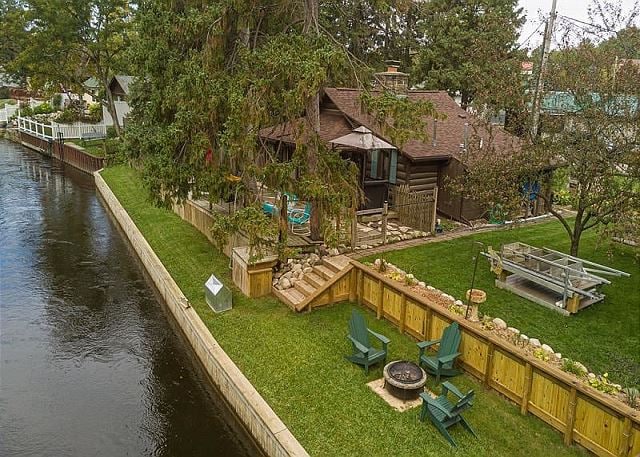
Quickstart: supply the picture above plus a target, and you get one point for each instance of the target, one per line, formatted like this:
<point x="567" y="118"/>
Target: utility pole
<point x="548" y="34"/>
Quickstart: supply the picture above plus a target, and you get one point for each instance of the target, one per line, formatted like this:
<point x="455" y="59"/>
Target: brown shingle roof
<point x="349" y="114"/>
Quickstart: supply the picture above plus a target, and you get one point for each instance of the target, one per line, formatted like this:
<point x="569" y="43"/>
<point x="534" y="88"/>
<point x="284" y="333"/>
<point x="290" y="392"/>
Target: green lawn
<point x="605" y="337"/>
<point x="296" y="361"/>
<point x="93" y="147"/>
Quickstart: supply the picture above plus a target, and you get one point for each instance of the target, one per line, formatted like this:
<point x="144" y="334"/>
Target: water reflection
<point x="89" y="364"/>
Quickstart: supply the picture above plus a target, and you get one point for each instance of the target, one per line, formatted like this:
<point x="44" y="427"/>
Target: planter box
<point x="253" y="279"/>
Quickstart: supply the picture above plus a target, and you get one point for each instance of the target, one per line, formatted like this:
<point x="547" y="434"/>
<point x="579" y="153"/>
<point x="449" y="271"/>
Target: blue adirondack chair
<point x="442" y="363"/>
<point x="443" y="414"/>
<point x="363" y="352"/>
<point x="299" y="219"/>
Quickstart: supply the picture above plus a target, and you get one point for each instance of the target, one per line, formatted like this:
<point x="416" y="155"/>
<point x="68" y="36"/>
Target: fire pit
<point x="404" y="380"/>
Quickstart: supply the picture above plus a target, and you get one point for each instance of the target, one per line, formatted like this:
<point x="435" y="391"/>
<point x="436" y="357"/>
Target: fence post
<point x="403" y="312"/>
<point x="354" y="229"/>
<point x="380" y="300"/>
<point x="353" y="284"/>
<point x="528" y="379"/>
<point x="434" y="213"/>
<point x="360" y="286"/>
<point x="489" y="366"/>
<point x="385" y="212"/>
<point x="571" y="417"/>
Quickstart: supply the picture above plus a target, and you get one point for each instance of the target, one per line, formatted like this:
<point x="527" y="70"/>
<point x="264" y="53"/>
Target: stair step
<point x="293" y="295"/>
<point x="304" y="287"/>
<point x="323" y="271"/>
<point x="314" y="279"/>
<point x="337" y="263"/>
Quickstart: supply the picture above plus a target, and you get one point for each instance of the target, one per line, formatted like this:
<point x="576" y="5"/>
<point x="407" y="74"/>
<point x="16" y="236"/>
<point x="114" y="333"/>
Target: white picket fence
<point x="53" y="130"/>
<point x="7" y="112"/>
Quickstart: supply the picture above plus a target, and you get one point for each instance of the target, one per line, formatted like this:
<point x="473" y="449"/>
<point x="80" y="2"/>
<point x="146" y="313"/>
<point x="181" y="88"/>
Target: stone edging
<point x="255" y="413"/>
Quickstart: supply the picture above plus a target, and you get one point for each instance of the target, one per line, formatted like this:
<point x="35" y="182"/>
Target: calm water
<point x="89" y="362"/>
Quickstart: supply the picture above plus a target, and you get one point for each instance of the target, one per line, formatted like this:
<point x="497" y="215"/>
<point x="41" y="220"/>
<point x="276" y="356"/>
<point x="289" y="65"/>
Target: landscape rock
<point x="459" y="302"/>
<point x="287" y="275"/>
<point x="547" y="348"/>
<point x="581" y="367"/>
<point x="524" y="338"/>
<point x="499" y="323"/>
<point x="307" y="270"/>
<point x="422" y="284"/>
<point x="591" y="376"/>
<point x="334" y="252"/>
<point x="513" y="330"/>
<point x="296" y="267"/>
<point x="535" y="342"/>
<point x="285" y="283"/>
<point x="558" y="355"/>
<point x="431" y="288"/>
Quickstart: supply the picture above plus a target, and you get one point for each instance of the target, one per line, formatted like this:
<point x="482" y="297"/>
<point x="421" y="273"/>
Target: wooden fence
<point x="415" y="209"/>
<point x="582" y="414"/>
<point x="67" y="153"/>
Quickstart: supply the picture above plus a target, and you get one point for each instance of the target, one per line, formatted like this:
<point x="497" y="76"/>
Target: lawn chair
<point x="363" y="352"/>
<point x="442" y="363"/>
<point x="443" y="414"/>
<point x="299" y="220"/>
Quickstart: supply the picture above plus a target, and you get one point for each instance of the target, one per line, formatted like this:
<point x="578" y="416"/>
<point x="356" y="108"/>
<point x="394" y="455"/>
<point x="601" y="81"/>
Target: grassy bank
<point x="297" y="361"/>
<point x="93" y="147"/>
<point x="605" y="337"/>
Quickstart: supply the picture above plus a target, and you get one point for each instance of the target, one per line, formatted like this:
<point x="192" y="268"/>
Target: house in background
<point x="119" y="86"/>
<point x="91" y="90"/>
<point x="422" y="166"/>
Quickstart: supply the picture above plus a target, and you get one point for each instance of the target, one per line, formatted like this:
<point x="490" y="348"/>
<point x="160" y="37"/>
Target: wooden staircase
<point x="316" y="287"/>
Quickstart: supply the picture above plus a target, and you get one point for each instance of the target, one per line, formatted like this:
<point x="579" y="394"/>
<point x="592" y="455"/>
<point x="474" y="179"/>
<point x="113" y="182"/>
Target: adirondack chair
<point x="443" y="413"/>
<point x="363" y="352"/>
<point x="442" y="363"/>
<point x="299" y="219"/>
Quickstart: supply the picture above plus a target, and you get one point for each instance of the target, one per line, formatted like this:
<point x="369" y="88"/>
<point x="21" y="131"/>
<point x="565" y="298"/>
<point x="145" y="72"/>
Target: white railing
<point x="53" y="130"/>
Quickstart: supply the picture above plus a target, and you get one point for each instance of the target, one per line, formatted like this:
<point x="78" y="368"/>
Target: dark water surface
<point x="89" y="362"/>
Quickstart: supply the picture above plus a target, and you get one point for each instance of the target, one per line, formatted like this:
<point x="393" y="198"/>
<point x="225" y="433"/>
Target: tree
<point x="470" y="48"/>
<point x="595" y="142"/>
<point x="64" y="41"/>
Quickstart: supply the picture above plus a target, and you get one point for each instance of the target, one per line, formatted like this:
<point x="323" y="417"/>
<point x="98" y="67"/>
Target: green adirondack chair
<point x="442" y="363"/>
<point x="443" y="414"/>
<point x="363" y="351"/>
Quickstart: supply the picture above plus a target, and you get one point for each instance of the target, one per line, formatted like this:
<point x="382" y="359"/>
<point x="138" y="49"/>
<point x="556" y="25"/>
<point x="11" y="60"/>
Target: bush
<point x="57" y="101"/>
<point x="44" y="108"/>
<point x="111" y="132"/>
<point x="67" y="116"/>
<point x="95" y="112"/>
<point x="5" y="92"/>
<point x="571" y="366"/>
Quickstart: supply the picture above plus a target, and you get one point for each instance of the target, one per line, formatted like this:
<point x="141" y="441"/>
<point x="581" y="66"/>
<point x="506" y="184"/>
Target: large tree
<point x="470" y="48"/>
<point x="65" y="41"/>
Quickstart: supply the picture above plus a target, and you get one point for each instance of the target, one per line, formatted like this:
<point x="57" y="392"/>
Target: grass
<point x="93" y="147"/>
<point x="296" y="361"/>
<point x="605" y="337"/>
<point x="6" y="101"/>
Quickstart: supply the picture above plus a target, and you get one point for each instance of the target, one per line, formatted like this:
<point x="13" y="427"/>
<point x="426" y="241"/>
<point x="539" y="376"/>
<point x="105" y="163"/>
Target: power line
<point x="531" y="35"/>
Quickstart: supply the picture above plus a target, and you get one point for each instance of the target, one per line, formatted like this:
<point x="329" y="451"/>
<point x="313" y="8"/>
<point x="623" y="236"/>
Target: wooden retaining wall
<point x="583" y="415"/>
<point x="254" y="412"/>
<point x="68" y="153"/>
<point x="202" y="219"/>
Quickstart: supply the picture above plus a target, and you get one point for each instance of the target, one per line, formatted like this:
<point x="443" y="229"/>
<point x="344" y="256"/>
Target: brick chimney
<point x="392" y="79"/>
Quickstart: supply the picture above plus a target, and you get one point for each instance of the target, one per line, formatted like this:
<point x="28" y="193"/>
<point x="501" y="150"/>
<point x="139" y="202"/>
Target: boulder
<point x="499" y="323"/>
<point x="285" y="283"/>
<point x="287" y="275"/>
<point x="535" y="342"/>
<point x="296" y="267"/>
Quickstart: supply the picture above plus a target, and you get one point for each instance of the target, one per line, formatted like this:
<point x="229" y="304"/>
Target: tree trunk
<point x="577" y="232"/>
<point x="312" y="112"/>
<point x="111" y="106"/>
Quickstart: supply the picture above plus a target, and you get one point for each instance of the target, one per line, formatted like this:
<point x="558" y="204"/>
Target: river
<point x="90" y="362"/>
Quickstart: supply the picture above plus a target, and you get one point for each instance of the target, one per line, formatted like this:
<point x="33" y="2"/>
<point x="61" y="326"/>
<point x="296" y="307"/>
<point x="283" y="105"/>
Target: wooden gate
<point x="415" y="209"/>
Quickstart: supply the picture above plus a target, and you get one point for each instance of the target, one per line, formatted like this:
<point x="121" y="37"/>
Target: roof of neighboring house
<point x="450" y="131"/>
<point x="124" y="81"/>
<point x="91" y="83"/>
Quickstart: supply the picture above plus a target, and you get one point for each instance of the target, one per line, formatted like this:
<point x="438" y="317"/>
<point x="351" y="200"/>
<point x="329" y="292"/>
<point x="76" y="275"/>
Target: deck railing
<point x="54" y="130"/>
